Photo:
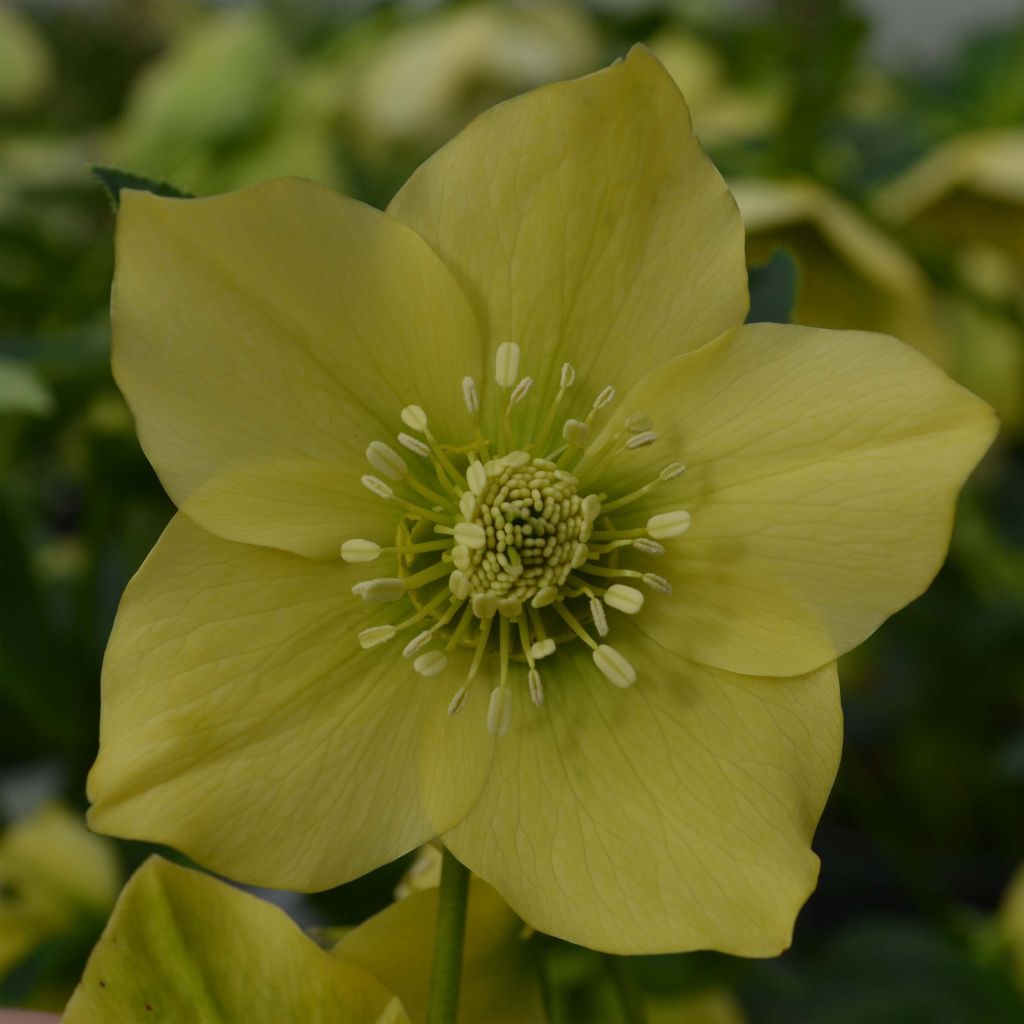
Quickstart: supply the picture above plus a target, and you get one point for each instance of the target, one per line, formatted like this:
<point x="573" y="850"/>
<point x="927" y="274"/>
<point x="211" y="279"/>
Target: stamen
<point x="430" y="664"/>
<point x="648" y="547"/>
<point x="600" y="619"/>
<point x="639" y="423"/>
<point x="470" y="535"/>
<point x="521" y="390"/>
<point x="573" y="623"/>
<point x="476" y="477"/>
<point x="425" y="576"/>
<point x="658" y="583"/>
<point x="470" y="396"/>
<point x="417" y="643"/>
<point x="568" y="376"/>
<point x="671" y="471"/>
<point x="375" y="484"/>
<point x="380" y="591"/>
<point x="506" y="364"/>
<point x="606" y="396"/>
<point x="668" y="524"/>
<point x="624" y="599"/>
<point x="458" y="702"/>
<point x="536" y="687"/>
<point x="459" y="585"/>
<point x="542" y="648"/>
<point x="359" y="550"/>
<point x="614" y="666"/>
<point x="415" y="445"/>
<point x="460" y="630"/>
<point x="576" y="432"/>
<point x="485" y="606"/>
<point x="481" y="645"/>
<point x="648" y="437"/>
<point x="414" y="418"/>
<point x="375" y="635"/>
<point x="499" y="712"/>
<point x="386" y="460"/>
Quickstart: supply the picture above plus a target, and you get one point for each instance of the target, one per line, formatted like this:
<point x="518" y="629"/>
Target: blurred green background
<point x="882" y="184"/>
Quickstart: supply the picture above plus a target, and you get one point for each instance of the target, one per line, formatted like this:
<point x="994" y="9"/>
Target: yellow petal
<point x="851" y="274"/>
<point x="822" y="472"/>
<point x="674" y="815"/>
<point x="53" y="873"/>
<point x="1011" y="923"/>
<point x="243" y="724"/>
<point x="499" y="975"/>
<point x="182" y="946"/>
<point x="264" y="338"/>
<point x="587" y="225"/>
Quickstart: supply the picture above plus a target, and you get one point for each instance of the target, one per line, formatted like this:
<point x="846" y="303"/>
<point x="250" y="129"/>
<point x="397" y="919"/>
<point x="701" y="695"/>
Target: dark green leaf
<point x="773" y="289"/>
<point x="114" y="180"/>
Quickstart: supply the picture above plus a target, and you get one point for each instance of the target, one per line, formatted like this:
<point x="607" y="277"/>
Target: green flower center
<point x="509" y="556"/>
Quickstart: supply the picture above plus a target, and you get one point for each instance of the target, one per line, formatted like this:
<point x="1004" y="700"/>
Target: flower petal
<point x="243" y="724"/>
<point x="499" y="975"/>
<point x="823" y="468"/>
<point x="182" y="946"/>
<point x="587" y="225"/>
<point x="671" y="816"/>
<point x="264" y="337"/>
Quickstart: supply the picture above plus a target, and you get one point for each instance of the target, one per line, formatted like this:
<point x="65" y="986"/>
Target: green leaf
<point x="773" y="287"/>
<point x="114" y="180"/>
<point x="22" y="390"/>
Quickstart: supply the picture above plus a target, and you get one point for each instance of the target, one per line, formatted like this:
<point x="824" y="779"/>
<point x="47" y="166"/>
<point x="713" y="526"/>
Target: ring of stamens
<point x="512" y="539"/>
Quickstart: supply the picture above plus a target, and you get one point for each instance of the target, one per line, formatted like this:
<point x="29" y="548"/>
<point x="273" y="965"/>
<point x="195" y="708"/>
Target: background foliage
<point x="924" y="828"/>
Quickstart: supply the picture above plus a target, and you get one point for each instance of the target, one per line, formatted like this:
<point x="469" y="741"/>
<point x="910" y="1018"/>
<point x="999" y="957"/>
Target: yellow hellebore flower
<point x="182" y="946"/>
<point x="607" y="684"/>
<point x="851" y="274"/>
<point x="54" y="874"/>
<point x="1011" y="924"/>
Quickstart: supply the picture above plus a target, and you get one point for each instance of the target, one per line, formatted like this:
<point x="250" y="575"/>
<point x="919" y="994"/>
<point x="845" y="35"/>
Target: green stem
<point x="626" y="988"/>
<point x="449" y="934"/>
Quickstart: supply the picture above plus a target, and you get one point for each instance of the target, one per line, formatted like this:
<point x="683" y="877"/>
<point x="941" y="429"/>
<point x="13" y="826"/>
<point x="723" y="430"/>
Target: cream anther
<point x="641" y="440"/>
<point x="671" y="471"/>
<point x="668" y="524"/>
<point x="485" y="606"/>
<point x="375" y="484"/>
<point x="499" y="711"/>
<point x="506" y="364"/>
<point x="417" y="643"/>
<point x="470" y="535"/>
<point x="516" y="459"/>
<point x="359" y="550"/>
<point x="476" y="477"/>
<point x="414" y="418"/>
<point x="415" y="445"/>
<point x="599" y="617"/>
<point x="542" y="648"/>
<point x="568" y="376"/>
<point x="639" y="423"/>
<point x="624" y="599"/>
<point x="494" y="467"/>
<point x="386" y="460"/>
<point x="614" y="666"/>
<point x="656" y="582"/>
<point x="520" y="391"/>
<point x="510" y="607"/>
<point x="458" y="584"/>
<point x="430" y="664"/>
<point x="383" y="590"/>
<point x="544" y="597"/>
<point x="375" y="635"/>
<point x="461" y="558"/>
<point x="576" y="432"/>
<point x="536" y="687"/>
<point x="606" y="396"/>
<point x="580" y="554"/>
<point x="467" y="504"/>
<point x="458" y="702"/>
<point x="469" y="395"/>
<point x="648" y="547"/>
<point x="591" y="508"/>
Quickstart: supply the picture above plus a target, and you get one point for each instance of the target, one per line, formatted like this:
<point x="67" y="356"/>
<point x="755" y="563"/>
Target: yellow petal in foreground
<point x="243" y="724"/>
<point x="585" y="222"/>
<point x="852" y="276"/>
<point x="676" y="815"/>
<point x="53" y="873"/>
<point x="1011" y="923"/>
<point x="822" y="472"/>
<point x="499" y="974"/>
<point x="182" y="946"/>
<point x="259" y="337"/>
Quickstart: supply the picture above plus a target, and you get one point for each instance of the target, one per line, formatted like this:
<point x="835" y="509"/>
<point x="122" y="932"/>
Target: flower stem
<point x="449" y="934"/>
<point x="626" y="988"/>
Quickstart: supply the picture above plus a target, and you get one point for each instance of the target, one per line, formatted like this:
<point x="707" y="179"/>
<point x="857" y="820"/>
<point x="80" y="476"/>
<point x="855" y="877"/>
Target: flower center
<point x="512" y="539"/>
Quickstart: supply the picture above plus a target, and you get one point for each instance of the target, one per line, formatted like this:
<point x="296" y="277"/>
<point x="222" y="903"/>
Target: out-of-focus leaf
<point x="22" y="390"/>
<point x="114" y="180"/>
<point x="773" y="287"/>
